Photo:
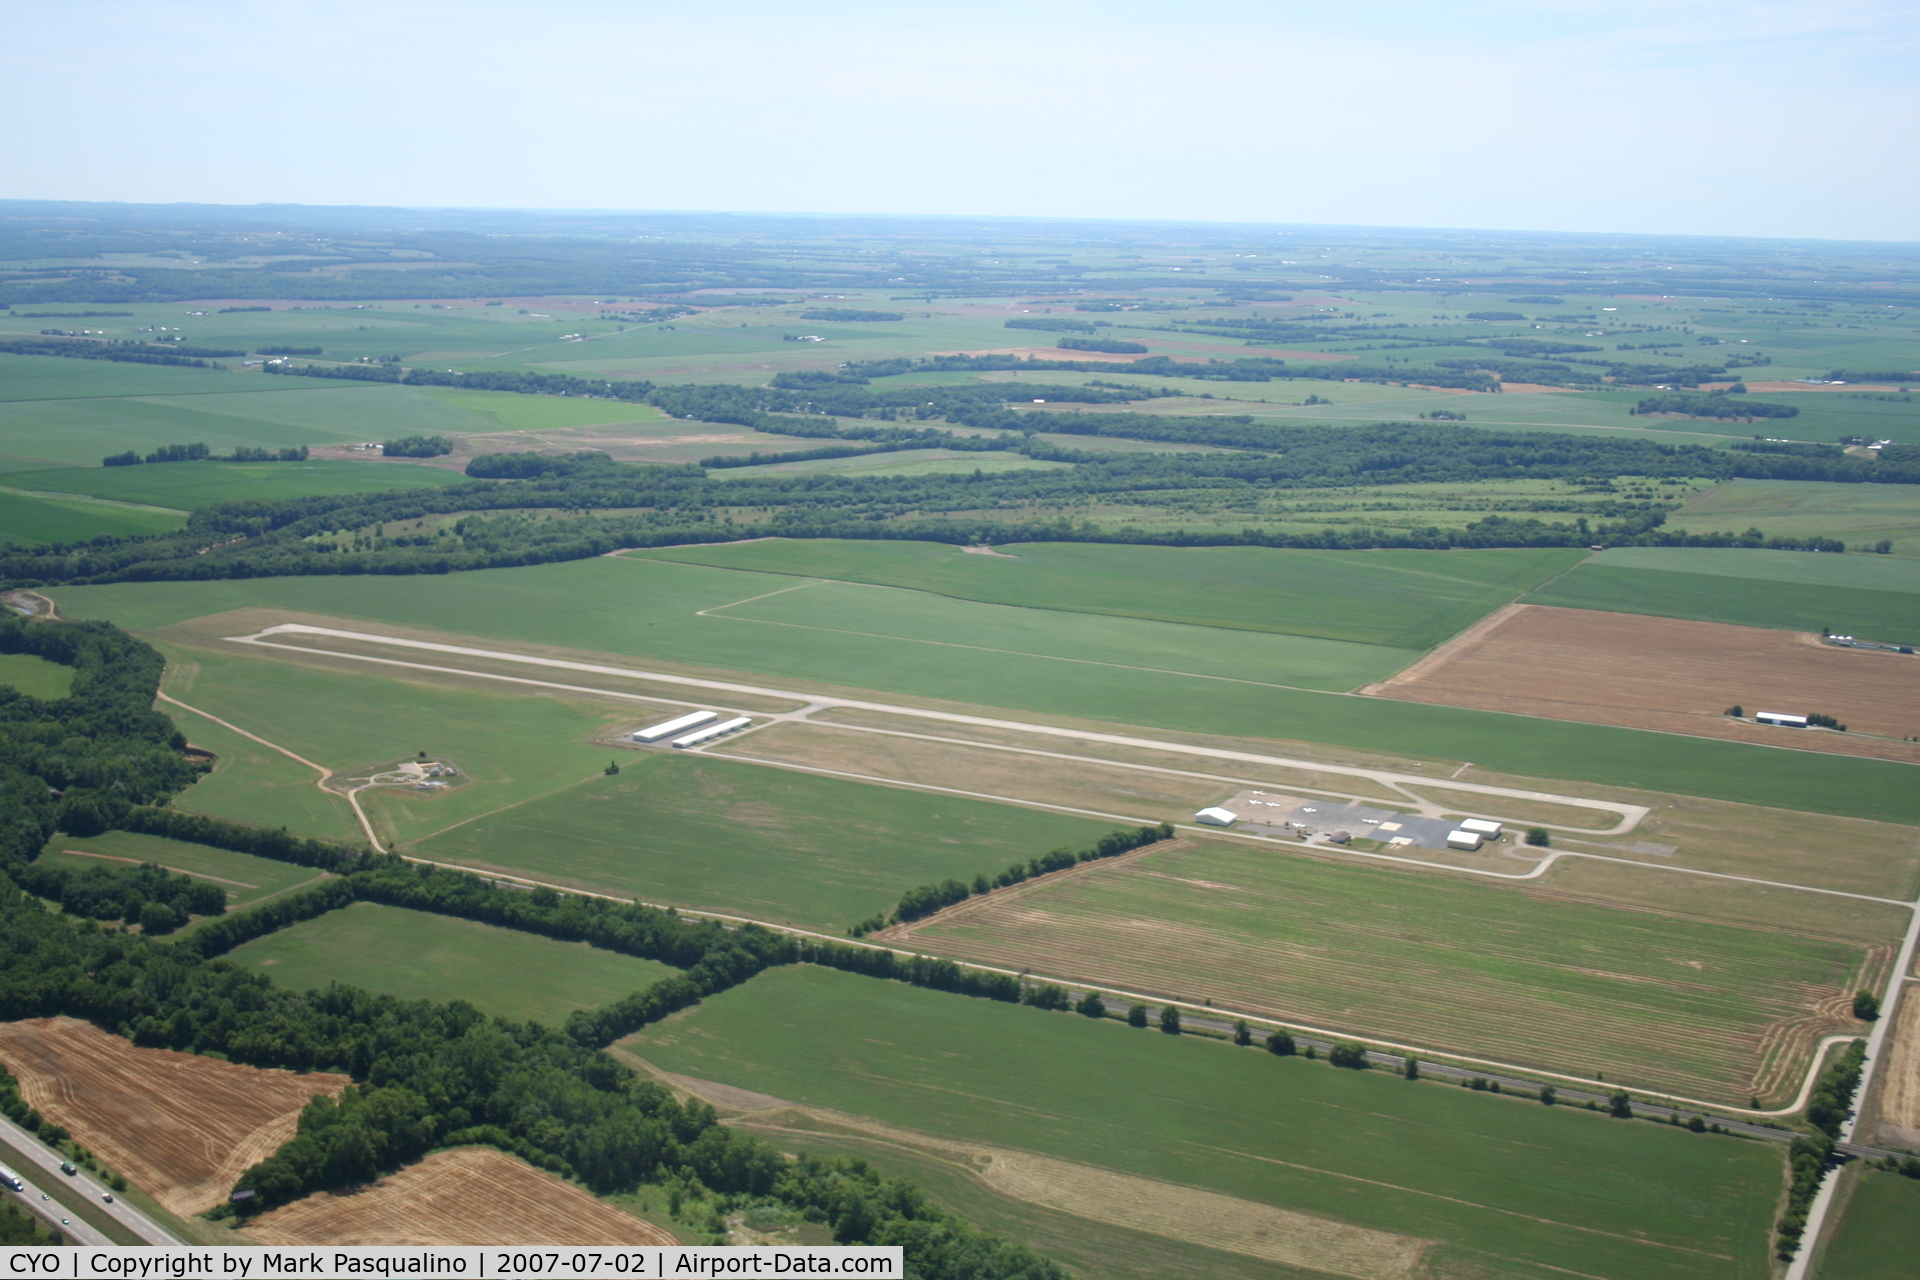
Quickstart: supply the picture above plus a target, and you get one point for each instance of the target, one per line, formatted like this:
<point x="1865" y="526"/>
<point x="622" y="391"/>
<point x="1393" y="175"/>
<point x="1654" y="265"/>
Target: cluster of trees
<point x="200" y="453"/>
<point x="1495" y="315"/>
<point x="78" y="349"/>
<point x="417" y="447"/>
<point x="1811" y="1155"/>
<point x="1716" y="406"/>
<point x="676" y="505"/>
<point x="148" y="895"/>
<point x="264" y="842"/>
<point x="1052" y="324"/>
<point x="849" y="313"/>
<point x="1871" y="375"/>
<point x="1111" y="346"/>
<point x="926" y="899"/>
<point x="290" y="351"/>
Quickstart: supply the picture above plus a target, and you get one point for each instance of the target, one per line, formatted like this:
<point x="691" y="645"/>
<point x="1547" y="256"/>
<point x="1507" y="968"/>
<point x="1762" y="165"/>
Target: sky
<point x="1707" y="117"/>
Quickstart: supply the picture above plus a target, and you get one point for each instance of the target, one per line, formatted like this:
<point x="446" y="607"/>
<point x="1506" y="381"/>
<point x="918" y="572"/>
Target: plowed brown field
<point x="475" y="1195"/>
<point x="1671" y="675"/>
<point x="182" y="1127"/>
<point x="1900" y="1090"/>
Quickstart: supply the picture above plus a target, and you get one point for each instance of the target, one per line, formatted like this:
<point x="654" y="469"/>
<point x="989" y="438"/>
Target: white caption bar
<point x="447" y="1262"/>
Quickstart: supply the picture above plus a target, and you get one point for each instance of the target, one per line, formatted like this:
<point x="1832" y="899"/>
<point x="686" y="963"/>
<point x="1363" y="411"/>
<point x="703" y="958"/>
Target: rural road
<point x="44" y="1170"/>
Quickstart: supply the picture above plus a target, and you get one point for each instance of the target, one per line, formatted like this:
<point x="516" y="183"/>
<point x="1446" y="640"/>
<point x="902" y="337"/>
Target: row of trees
<point x="926" y="899"/>
<point x="201" y="453"/>
<point x="1810" y="1156"/>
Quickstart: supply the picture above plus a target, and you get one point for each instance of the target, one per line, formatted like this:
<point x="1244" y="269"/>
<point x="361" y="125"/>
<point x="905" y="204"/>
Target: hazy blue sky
<point x="1694" y="116"/>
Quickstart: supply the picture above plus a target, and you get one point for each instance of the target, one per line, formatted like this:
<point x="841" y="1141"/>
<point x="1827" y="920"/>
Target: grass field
<point x="1504" y="1188"/>
<point x="1399" y="599"/>
<point x="907" y="462"/>
<point x="250" y="783"/>
<point x="1862" y="572"/>
<point x="513" y="746"/>
<point x="186" y="485"/>
<point x="510" y="411"/>
<point x="417" y="955"/>
<point x="246" y="879"/>
<point x="1875" y="1238"/>
<point x="1487" y="970"/>
<point x="79" y="430"/>
<point x="1857" y="514"/>
<point x="35" y="677"/>
<point x="724" y="836"/>
<point x="648" y="611"/>
<point x="30" y="520"/>
<point x="56" y="378"/>
<point x="1890" y="616"/>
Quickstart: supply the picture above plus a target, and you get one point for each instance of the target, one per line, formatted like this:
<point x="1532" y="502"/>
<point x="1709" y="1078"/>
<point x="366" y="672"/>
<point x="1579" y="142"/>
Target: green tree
<point x="1137" y="1016"/>
<point x="1547" y="1095"/>
<point x="1411" y="1068"/>
<point x="1539" y="837"/>
<point x="1620" y="1105"/>
<point x="1242" y="1033"/>
<point x="1866" y="1006"/>
<point x="1091" y="1005"/>
<point x="1697" y="1125"/>
<point x="1349" y="1055"/>
<point x="1170" y="1021"/>
<point x="1279" y="1043"/>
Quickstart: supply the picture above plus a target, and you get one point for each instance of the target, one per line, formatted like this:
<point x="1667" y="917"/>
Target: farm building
<point x="667" y="728"/>
<point x="711" y="732"/>
<point x="1781" y="718"/>
<point x="1463" y="839"/>
<point x="1217" y="817"/>
<point x="1481" y="827"/>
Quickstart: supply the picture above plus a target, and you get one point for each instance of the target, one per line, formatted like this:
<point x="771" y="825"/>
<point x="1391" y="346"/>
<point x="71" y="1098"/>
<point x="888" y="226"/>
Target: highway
<point x="43" y="1173"/>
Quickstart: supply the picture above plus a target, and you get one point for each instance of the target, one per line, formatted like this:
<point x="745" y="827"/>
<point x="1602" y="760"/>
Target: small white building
<point x="1217" y="817"/>
<point x="1463" y="839"/>
<point x="1481" y="826"/>
<point x="1781" y="718"/>
<point x="711" y="732"/>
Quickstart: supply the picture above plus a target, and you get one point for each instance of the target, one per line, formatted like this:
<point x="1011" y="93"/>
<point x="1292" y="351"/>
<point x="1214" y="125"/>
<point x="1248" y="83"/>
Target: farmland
<point x="186" y="485"/>
<point x="1531" y="1185"/>
<point x="726" y="836"/>
<point x="417" y="956"/>
<point x="1854" y="513"/>
<point x="460" y="1196"/>
<point x="1874" y="1239"/>
<point x="246" y="879"/>
<point x="1783" y="603"/>
<point x="26" y="518"/>
<point x="1499" y="968"/>
<point x="651" y="611"/>
<point x="1398" y="599"/>
<point x="181" y="1126"/>
<point x="1673" y="675"/>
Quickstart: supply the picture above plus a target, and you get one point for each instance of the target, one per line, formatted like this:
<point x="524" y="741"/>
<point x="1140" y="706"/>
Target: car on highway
<point x="66" y="1167"/>
<point x="106" y="1197"/>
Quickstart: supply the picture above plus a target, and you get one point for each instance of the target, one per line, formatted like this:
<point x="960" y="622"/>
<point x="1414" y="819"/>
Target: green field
<point x="1857" y="514"/>
<point x="1814" y="569"/>
<point x="57" y="378"/>
<point x="30" y="520"/>
<point x="1400" y="599"/>
<point x="1876" y="1235"/>
<point x="237" y="410"/>
<point x="417" y="955"/>
<point x="1505" y="1188"/>
<point x="906" y="462"/>
<point x="35" y="677"/>
<point x="246" y="879"/>
<point x="1889" y="616"/>
<point x="187" y="485"/>
<point x="510" y="411"/>
<point x="512" y="746"/>
<point x="695" y="831"/>
<point x="1669" y="1001"/>
<point x="643" y="610"/>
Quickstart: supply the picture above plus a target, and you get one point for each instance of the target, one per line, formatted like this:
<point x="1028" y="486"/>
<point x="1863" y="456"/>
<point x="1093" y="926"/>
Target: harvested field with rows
<point x="1899" y="1084"/>
<point x="473" y="1195"/>
<point x="182" y="1127"/>
<point x="1673" y="675"/>
<point x="1648" y="996"/>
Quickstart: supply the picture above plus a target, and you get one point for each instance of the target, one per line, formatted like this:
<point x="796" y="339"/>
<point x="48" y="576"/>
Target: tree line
<point x="201" y="453"/>
<point x="926" y="899"/>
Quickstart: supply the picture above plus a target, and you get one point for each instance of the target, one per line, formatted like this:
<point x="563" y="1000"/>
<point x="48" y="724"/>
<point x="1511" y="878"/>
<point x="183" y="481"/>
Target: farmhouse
<point x="1781" y="718"/>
